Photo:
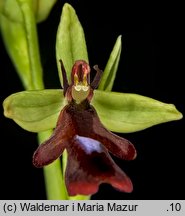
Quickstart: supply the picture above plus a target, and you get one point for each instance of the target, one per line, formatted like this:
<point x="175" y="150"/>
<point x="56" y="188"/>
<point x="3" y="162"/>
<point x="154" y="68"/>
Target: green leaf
<point x="110" y="70"/>
<point x="124" y="113"/>
<point x="70" y="41"/>
<point x="34" y="110"/>
<point x="42" y="9"/>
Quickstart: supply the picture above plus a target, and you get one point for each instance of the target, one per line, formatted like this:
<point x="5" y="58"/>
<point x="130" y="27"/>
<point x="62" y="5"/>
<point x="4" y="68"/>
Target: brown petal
<point x="52" y="148"/>
<point x="117" y="145"/>
<point x="49" y="151"/>
<point x="89" y="164"/>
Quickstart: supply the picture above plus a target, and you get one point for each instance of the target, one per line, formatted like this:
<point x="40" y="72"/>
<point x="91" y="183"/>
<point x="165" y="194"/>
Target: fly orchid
<point x="85" y="115"/>
<point x="88" y="143"/>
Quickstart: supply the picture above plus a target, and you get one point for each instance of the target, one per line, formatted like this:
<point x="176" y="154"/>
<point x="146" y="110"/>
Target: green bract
<point x="18" y="28"/>
<point x="42" y="8"/>
<point x="119" y="112"/>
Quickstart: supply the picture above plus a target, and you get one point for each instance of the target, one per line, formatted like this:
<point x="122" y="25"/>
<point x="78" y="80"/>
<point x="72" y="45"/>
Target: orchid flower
<point x="81" y="114"/>
<point x="80" y="131"/>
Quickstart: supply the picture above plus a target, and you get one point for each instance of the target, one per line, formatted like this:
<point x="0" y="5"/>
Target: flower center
<point x="80" y="80"/>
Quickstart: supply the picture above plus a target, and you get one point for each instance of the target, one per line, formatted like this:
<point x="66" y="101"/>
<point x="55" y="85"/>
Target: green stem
<point x="55" y="187"/>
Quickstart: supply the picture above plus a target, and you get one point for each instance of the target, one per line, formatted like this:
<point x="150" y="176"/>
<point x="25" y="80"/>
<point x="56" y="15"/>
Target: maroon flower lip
<point x="88" y="143"/>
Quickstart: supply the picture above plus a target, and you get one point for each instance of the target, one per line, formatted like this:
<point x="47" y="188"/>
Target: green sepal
<point x="34" y="111"/>
<point x="120" y="112"/>
<point x="70" y="41"/>
<point x="111" y="67"/>
<point x="125" y="113"/>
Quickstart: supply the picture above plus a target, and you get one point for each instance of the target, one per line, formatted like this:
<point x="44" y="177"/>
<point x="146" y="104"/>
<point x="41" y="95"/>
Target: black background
<point x="151" y="65"/>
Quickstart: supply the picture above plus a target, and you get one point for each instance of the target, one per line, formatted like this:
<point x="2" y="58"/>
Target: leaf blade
<point x="125" y="113"/>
